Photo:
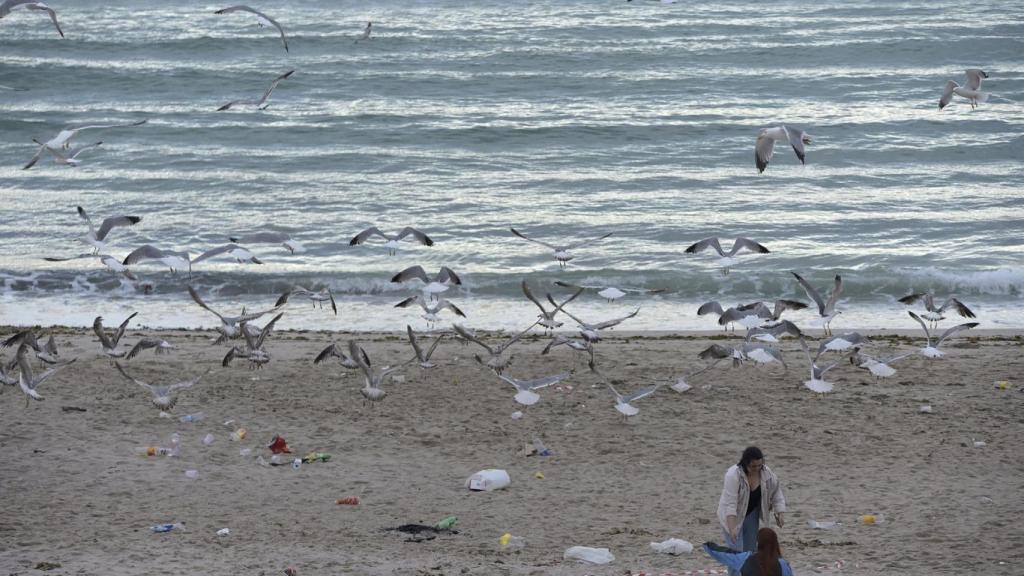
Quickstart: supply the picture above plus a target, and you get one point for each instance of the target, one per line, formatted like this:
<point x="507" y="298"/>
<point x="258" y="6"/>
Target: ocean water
<point x="566" y="120"/>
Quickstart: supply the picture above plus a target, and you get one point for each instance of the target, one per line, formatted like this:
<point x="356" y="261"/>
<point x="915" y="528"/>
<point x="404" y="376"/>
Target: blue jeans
<point x="747" y="539"/>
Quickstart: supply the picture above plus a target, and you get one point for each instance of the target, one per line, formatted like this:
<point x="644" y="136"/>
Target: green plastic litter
<point x="446" y="524"/>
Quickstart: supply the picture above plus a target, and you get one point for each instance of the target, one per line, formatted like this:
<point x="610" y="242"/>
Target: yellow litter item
<point x="505" y="538"/>
<point x="539" y="475"/>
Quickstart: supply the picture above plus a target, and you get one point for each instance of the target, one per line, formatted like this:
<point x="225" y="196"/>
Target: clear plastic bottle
<point x="153" y="451"/>
<point x="188" y="418"/>
<point x="208" y="439"/>
<point x="297" y="463"/>
<point x="239" y="434"/>
<point x="510" y="543"/>
<point x="175" y="444"/>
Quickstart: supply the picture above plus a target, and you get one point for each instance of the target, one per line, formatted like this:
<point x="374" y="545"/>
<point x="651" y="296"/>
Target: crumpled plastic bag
<point x="589" y="555"/>
<point x="672" y="546"/>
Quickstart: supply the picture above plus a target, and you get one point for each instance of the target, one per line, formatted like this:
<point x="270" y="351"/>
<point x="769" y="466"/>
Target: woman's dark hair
<point x="768" y="552"/>
<point x="749" y="455"/>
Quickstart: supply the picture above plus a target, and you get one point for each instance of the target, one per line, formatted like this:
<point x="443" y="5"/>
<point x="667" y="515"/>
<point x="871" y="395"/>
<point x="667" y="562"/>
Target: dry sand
<point x="72" y="491"/>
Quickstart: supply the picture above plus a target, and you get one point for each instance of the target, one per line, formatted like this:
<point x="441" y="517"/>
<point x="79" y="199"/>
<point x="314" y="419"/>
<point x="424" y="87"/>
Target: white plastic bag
<point x="672" y="546"/>
<point x="589" y="555"/>
<point x="488" y="480"/>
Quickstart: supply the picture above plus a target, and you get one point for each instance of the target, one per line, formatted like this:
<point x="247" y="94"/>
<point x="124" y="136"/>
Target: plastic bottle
<point x="239" y="434"/>
<point x="297" y="463"/>
<point x="510" y="543"/>
<point x="872" y="519"/>
<point x="175" y="444"/>
<point x="192" y="474"/>
<point x="208" y="439"/>
<point x="187" y="418"/>
<point x="168" y="527"/>
<point x="153" y="451"/>
<point x="446" y="524"/>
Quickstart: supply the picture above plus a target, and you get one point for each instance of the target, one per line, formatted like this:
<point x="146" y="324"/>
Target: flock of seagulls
<point x="762" y="319"/>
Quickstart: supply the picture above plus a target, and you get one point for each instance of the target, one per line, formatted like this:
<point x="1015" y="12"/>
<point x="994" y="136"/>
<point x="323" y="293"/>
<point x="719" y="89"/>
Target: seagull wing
<point x="616" y="321"/>
<point x="97" y="327"/>
<point x="796" y="140"/>
<point x="747" y="243"/>
<point x="470" y="337"/>
<point x="715" y="352"/>
<point x="446" y="274"/>
<point x="267" y="329"/>
<point x="974" y="76"/>
<point x="442" y="304"/>
<point x="812" y="293"/>
<point x="947" y="94"/>
<point x="951" y="331"/>
<point x="410" y="273"/>
<point x="48" y="10"/>
<point x="144" y="252"/>
<point x="365" y="234"/>
<point x="710" y="307"/>
<point x="837" y="290"/>
<point x="122" y="327"/>
<point x="538" y="383"/>
<point x="327" y="352"/>
<point x="430" y="351"/>
<point x="273" y="85"/>
<point x="415" y="345"/>
<point x="419" y="236"/>
<point x="125" y="374"/>
<point x="958" y="306"/>
<point x="187" y="383"/>
<point x="144" y="344"/>
<point x="763" y="150"/>
<point x="244" y="8"/>
<point x="214" y="252"/>
<point x="911" y="298"/>
<point x="72" y="154"/>
<point x="927" y="334"/>
<point x="45" y="375"/>
<point x="516" y="338"/>
<point x="587" y="241"/>
<point x="34" y="159"/>
<point x="527" y="238"/>
<point x="262" y="238"/>
<point x="114" y="221"/>
<point x="360" y="358"/>
<point x="641" y="393"/>
<point x="704" y="244"/>
<point x="417" y="299"/>
<point x="532" y="298"/>
<point x="195" y="296"/>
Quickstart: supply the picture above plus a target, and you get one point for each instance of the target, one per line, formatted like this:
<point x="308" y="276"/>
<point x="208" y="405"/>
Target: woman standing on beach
<point x="751" y="492"/>
<point x="766" y="561"/>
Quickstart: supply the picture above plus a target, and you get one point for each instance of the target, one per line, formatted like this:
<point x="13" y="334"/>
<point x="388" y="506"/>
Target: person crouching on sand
<point x="766" y="561"/>
<point x="750" y="494"/>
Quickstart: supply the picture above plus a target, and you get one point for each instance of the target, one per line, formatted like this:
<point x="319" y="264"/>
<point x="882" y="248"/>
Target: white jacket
<point x="736" y="495"/>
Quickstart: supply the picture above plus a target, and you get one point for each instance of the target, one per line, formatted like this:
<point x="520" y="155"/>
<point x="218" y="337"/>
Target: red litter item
<point x="291" y="571"/>
<point x="349" y="500"/>
<point x="278" y="445"/>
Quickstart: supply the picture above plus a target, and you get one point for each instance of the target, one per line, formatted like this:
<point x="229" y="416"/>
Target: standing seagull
<point x="9" y="5"/>
<point x="261" y="19"/>
<point x="930" y="351"/>
<point x="727" y="259"/>
<point x="971" y="90"/>
<point x="62" y="141"/>
<point x="110" y="345"/>
<point x="561" y="251"/>
<point x="826" y="309"/>
<point x="767" y="138"/>
<point x="261" y="103"/>
<point x="96" y="238"/>
<point x="391" y="241"/>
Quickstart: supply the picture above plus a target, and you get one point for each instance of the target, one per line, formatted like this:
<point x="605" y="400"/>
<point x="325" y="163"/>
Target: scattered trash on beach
<point x="487" y="480"/>
<point x="1002" y="384"/>
<point x="297" y="463"/>
<point x="925" y="409"/>
<point x="160" y="528"/>
<point x="978" y="443"/>
<point x="347" y="501"/>
<point x="446" y="523"/>
<point x="673" y="546"/>
<point x="517" y="415"/>
<point x="827" y="525"/>
<point x="208" y="439"/>
<point x="72" y="409"/>
<point x="44" y="566"/>
<point x="291" y="571"/>
<point x="192" y="474"/>
<point x="589" y="555"/>
<point x="510" y="543"/>
<point x="538" y="475"/>
<point x="681" y="386"/>
<point x="223" y="532"/>
<point x="540" y="449"/>
<point x="316" y="457"/>
<point x="239" y="434"/>
<point x="188" y="418"/>
<point x="872" y="519"/>
<point x="422" y="532"/>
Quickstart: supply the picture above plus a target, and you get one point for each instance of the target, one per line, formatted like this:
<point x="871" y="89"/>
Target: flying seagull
<point x="826" y="308"/>
<point x="159" y="346"/>
<point x="610" y="293"/>
<point x="971" y="90"/>
<point x="934" y="314"/>
<point x="728" y="259"/>
<point x="432" y="310"/>
<point x="240" y="254"/>
<point x="445" y="278"/>
<point x="173" y="260"/>
<point x="767" y="138"/>
<point x="110" y="344"/>
<point x="282" y="238"/>
<point x="9" y="5"/>
<point x="817" y="382"/>
<point x="261" y="103"/>
<point x="562" y="253"/>
<point x="391" y="242"/>
<point x="547" y="319"/>
<point x="229" y="325"/>
<point x="96" y="238"/>
<point x="261" y="19"/>
<point x="930" y="351"/>
<point x="62" y="141"/>
<point x="113" y="264"/>
<point x="164" y="397"/>
<point x="67" y="157"/>
<point x="27" y="381"/>
<point x="366" y="33"/>
<point x="373" y="377"/>
<point x="525" y="394"/>
<point x="422" y="358"/>
<point x="321" y="296"/>
<point x="496" y="359"/>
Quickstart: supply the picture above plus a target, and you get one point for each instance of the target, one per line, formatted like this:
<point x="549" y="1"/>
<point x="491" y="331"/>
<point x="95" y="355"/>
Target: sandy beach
<point x="75" y="494"/>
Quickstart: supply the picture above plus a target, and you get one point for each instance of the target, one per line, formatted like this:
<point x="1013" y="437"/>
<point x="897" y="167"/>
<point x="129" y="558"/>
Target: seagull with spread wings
<point x="444" y="279"/>
<point x="422" y="358"/>
<point x="98" y="238"/>
<point x="164" y="396"/>
<point x="496" y="359"/>
<point x="110" y="344"/>
<point x="934" y="313"/>
<point x="562" y="253"/>
<point x="260" y="104"/>
<point x="546" y="318"/>
<point x="229" y="325"/>
<point x="391" y="241"/>
<point x="525" y="389"/>
<point x="27" y="380"/>
<point x="767" y="137"/>
<point x="267" y="237"/>
<point x="930" y="351"/>
<point x="826" y="308"/>
<point x="970" y="90"/>
<point x="319" y="296"/>
<point x="62" y="141"/>
<point x="728" y="259"/>
<point x="261" y="19"/>
<point x="8" y="5"/>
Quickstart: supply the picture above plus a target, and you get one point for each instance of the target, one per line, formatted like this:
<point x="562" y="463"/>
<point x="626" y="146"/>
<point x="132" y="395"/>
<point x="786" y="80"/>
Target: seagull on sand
<point x="817" y="382"/>
<point x="240" y="254"/>
<point x="525" y="394"/>
<point x="253" y="349"/>
<point x="728" y="259"/>
<point x="113" y="264"/>
<point x="27" y="381"/>
<point x="229" y="325"/>
<point x="970" y="90"/>
<point x="561" y="251"/>
<point x="496" y="354"/>
<point x="261" y="19"/>
<point x="10" y="5"/>
<point x="335" y="351"/>
<point x="159" y="346"/>
<point x="826" y="309"/>
<point x="934" y="314"/>
<point x="68" y="157"/>
<point x="173" y="260"/>
<point x="422" y="358"/>
<point x="432" y="310"/>
<point x="547" y="319"/>
<point x="164" y="397"/>
<point x="97" y="238"/>
<point x="373" y="378"/>
<point x="930" y="351"/>
<point x="282" y="238"/>
<point x="767" y="137"/>
<point x="110" y="344"/>
<point x="321" y="296"/>
<point x="610" y="293"/>
<point x="444" y="279"/>
<point x="260" y="104"/>
<point x="391" y="242"/>
<point x="62" y="141"/>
